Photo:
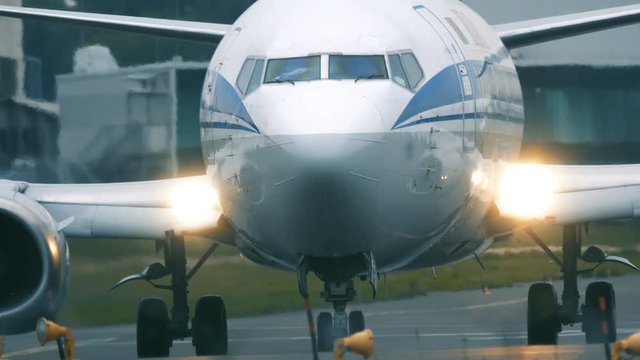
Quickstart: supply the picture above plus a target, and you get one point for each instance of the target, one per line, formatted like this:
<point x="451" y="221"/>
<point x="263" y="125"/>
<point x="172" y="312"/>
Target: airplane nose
<point x="309" y="116"/>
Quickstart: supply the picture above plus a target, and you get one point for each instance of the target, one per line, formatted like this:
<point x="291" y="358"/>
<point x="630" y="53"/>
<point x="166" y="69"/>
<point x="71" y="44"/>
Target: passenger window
<point x="256" y="76"/>
<point x="245" y="74"/>
<point x="293" y="69"/>
<point x="397" y="72"/>
<point x="457" y="29"/>
<point x="357" y="67"/>
<point x="412" y="69"/>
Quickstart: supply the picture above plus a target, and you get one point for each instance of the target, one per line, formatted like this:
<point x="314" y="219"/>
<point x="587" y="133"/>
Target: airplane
<point x="341" y="138"/>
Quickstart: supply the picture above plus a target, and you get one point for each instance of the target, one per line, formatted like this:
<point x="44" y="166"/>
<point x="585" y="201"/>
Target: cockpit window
<point x="256" y="76"/>
<point x="250" y="75"/>
<point x="397" y="71"/>
<point x="412" y="69"/>
<point x="245" y="74"/>
<point x="293" y="69"/>
<point x="405" y="70"/>
<point x="357" y="67"/>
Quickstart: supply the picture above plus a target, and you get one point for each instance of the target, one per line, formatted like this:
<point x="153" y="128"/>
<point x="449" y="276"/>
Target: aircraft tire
<point x="209" y="326"/>
<point x="325" y="332"/>
<point x="593" y="317"/>
<point x="543" y="324"/>
<point x="152" y="333"/>
<point x="356" y="322"/>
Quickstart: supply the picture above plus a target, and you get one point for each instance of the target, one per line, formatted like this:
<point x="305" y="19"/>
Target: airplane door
<point x="457" y="58"/>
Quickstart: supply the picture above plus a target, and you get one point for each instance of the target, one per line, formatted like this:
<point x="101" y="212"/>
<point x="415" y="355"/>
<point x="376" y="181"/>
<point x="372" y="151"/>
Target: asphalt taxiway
<point x="442" y="325"/>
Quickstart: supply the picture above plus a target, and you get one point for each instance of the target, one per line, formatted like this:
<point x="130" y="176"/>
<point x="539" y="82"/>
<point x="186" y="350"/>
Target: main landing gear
<point x="156" y="330"/>
<point x="546" y="315"/>
<point x="338" y="290"/>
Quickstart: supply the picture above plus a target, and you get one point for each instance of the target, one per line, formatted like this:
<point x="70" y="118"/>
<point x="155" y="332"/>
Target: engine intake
<point x="21" y="268"/>
<point x="33" y="264"/>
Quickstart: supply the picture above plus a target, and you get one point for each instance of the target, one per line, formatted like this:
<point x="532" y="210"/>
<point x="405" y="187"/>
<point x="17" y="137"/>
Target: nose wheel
<point x="327" y="334"/>
<point x="339" y="325"/>
<point x="337" y="291"/>
<point x="356" y="322"/>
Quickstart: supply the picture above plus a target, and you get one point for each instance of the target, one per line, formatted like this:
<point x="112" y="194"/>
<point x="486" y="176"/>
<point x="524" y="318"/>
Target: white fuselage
<point x="336" y="167"/>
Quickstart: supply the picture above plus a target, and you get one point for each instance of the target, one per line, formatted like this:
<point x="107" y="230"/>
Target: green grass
<point x="250" y="289"/>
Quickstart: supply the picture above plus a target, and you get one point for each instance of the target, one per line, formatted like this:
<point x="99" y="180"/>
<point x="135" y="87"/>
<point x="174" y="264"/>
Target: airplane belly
<point x="334" y="195"/>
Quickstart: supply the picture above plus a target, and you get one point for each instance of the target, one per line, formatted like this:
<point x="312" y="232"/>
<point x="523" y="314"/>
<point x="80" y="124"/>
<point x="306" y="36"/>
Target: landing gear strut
<point x="546" y="316"/>
<point x="156" y="330"/>
<point x="331" y="328"/>
<point x="340" y="325"/>
<point x="338" y="292"/>
<point x="337" y="275"/>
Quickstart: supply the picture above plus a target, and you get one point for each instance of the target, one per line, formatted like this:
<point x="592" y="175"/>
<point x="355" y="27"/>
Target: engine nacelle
<point x="34" y="264"/>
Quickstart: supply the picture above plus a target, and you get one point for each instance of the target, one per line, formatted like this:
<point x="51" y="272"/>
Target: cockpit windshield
<point x="293" y="69"/>
<point x="404" y="69"/>
<point x="357" y="67"/>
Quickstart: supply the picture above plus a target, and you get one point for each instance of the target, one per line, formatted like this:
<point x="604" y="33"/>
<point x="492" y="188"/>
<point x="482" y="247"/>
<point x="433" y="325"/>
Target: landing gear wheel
<point x="325" y="332"/>
<point x="543" y="324"/>
<point x="593" y="317"/>
<point x="356" y="322"/>
<point x="210" y="326"/>
<point x="152" y="333"/>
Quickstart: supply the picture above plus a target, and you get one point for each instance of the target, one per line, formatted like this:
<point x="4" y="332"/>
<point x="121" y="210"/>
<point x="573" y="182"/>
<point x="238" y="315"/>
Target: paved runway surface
<point x="445" y="325"/>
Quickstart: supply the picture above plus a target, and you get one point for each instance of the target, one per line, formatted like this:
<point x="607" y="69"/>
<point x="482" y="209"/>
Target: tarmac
<point x="441" y="325"/>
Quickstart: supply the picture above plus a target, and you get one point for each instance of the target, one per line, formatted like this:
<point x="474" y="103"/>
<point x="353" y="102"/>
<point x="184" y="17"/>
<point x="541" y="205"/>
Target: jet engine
<point x="34" y="264"/>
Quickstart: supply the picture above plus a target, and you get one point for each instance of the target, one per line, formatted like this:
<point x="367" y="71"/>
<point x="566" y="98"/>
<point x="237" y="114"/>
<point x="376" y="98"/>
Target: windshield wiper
<point x="372" y="76"/>
<point x="278" y="81"/>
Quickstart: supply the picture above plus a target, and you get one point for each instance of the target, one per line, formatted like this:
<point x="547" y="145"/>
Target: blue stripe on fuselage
<point x="442" y="89"/>
<point x="445" y="89"/>
<point x="227" y="101"/>
<point x="472" y="115"/>
<point x="225" y="125"/>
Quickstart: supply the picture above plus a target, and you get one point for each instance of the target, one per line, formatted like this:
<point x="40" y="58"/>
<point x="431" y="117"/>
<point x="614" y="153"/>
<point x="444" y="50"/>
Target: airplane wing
<point x="567" y="194"/>
<point x="184" y="30"/>
<point x="529" y="32"/>
<point x="142" y="210"/>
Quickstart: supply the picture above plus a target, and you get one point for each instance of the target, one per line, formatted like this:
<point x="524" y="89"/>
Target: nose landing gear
<point x="546" y="316"/>
<point x="338" y="292"/>
<point x="331" y="328"/>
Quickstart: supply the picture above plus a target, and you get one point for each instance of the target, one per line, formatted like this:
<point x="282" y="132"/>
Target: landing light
<point x="525" y="191"/>
<point x="195" y="203"/>
<point x="479" y="179"/>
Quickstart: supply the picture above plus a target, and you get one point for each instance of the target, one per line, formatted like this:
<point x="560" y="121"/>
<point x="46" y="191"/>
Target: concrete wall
<point x="123" y="125"/>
